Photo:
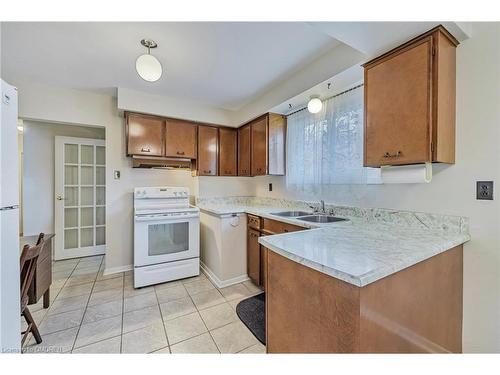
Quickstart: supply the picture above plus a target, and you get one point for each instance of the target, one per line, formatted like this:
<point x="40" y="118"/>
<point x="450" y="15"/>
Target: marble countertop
<point x="361" y="250"/>
<point x="361" y="253"/>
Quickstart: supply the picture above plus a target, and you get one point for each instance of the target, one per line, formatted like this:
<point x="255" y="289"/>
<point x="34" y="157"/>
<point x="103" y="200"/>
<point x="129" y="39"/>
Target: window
<point x="326" y="148"/>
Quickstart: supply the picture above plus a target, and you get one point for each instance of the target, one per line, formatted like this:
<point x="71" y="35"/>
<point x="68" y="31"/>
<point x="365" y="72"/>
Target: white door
<point x="80" y="197"/>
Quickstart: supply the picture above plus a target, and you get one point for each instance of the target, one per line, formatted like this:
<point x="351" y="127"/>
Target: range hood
<point x="160" y="162"/>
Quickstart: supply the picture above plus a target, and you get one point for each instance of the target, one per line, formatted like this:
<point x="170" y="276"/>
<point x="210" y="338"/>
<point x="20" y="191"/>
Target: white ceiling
<point x="224" y="65"/>
<point x="374" y="38"/>
<point x="371" y="39"/>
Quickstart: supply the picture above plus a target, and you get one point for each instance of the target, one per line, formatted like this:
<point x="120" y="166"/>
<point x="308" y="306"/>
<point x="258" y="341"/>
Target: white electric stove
<point x="166" y="235"/>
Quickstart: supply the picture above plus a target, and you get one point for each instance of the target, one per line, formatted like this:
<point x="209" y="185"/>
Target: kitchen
<point x="345" y="210"/>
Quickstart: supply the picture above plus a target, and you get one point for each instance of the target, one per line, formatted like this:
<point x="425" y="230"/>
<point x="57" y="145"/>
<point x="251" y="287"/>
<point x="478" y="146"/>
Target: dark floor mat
<point x="252" y="312"/>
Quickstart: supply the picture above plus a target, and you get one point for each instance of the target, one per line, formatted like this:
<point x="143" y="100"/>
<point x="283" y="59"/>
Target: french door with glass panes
<point x="80" y="197"/>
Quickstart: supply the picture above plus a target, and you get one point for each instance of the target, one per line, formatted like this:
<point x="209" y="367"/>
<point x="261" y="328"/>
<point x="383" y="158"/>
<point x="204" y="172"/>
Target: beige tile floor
<point x="93" y="313"/>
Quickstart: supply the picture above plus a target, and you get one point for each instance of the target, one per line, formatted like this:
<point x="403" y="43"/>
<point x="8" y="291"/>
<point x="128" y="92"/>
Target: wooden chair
<point x="29" y="257"/>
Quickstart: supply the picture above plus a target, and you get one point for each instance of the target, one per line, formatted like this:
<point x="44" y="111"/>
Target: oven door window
<point x="164" y="239"/>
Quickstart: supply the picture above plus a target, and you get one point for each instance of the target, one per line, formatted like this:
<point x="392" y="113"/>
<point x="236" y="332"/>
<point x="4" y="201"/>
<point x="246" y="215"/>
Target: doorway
<point x="80" y="197"/>
<point x="42" y="211"/>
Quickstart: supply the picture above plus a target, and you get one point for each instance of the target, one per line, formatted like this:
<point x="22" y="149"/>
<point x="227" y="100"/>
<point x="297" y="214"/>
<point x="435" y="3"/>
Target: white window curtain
<point x="326" y="148"/>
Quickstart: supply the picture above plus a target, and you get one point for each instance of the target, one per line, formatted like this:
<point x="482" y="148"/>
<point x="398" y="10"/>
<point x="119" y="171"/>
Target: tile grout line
<point x="96" y="342"/>
<point x="162" y="322"/>
<point x="196" y="307"/>
<point x="86" y="306"/>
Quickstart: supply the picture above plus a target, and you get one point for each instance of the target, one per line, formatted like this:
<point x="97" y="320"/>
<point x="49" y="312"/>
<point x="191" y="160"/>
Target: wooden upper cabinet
<point x="259" y="150"/>
<point x="180" y="140"/>
<point x="276" y="144"/>
<point x="267" y="145"/>
<point x="144" y="135"/>
<point x="410" y="102"/>
<point x="244" y="150"/>
<point x="228" y="152"/>
<point x="207" y="150"/>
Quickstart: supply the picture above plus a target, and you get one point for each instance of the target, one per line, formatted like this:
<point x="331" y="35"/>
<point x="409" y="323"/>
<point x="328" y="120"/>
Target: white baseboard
<point x="109" y="271"/>
<point x="222" y="283"/>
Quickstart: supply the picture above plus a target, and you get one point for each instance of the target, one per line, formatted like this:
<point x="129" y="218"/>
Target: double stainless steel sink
<point x="321" y="218"/>
<point x="291" y="213"/>
<point x="307" y="216"/>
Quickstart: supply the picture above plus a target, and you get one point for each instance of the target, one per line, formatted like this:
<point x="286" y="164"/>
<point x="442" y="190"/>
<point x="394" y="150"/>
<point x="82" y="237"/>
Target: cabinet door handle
<point x="180" y="152"/>
<point x="396" y="155"/>
<point x="143" y="149"/>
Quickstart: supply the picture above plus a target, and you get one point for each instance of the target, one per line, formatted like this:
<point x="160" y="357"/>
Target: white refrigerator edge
<point x="10" y="321"/>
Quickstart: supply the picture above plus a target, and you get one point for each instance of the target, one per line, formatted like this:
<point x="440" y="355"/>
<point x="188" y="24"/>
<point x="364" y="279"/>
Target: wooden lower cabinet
<point x="257" y="254"/>
<point x="270" y="226"/>
<point x="253" y="256"/>
<point x="416" y="310"/>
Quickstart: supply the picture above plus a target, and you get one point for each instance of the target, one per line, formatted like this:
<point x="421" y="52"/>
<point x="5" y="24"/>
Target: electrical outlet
<point x="484" y="190"/>
<point x="270" y="187"/>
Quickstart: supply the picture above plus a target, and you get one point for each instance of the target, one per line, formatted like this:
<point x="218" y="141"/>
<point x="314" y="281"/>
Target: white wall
<point x="225" y="186"/>
<point x="452" y="190"/>
<point x="74" y="107"/>
<point x="38" y="173"/>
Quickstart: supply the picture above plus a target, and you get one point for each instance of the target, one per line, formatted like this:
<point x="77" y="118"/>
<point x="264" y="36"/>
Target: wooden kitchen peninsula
<point x="361" y="290"/>
<point x="417" y="310"/>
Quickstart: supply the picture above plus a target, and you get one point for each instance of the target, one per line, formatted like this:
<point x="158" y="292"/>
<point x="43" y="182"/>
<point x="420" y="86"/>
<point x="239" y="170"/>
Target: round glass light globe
<point x="314" y="105"/>
<point x="148" y="67"/>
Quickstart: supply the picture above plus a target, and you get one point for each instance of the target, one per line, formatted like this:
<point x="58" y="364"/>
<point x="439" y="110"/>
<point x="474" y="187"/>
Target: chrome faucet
<point x="321" y="209"/>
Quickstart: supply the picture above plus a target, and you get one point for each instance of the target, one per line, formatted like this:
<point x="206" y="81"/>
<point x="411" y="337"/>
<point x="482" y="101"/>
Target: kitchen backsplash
<point x="448" y="223"/>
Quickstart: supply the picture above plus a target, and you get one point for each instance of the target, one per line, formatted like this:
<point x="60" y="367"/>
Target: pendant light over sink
<point x="148" y="67"/>
<point x="315" y="104"/>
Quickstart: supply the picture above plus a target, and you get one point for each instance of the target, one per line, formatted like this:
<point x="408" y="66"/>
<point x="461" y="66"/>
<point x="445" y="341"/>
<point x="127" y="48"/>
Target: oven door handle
<point x="165" y="218"/>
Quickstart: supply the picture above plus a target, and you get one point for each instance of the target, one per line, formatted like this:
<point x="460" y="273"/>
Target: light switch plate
<point x="484" y="190"/>
<point x="116" y="174"/>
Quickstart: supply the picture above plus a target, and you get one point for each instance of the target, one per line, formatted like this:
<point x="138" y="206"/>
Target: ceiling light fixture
<point x="315" y="104"/>
<point x="148" y="67"/>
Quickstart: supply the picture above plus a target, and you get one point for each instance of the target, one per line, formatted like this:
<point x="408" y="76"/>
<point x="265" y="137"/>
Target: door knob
<point x="59" y="198"/>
